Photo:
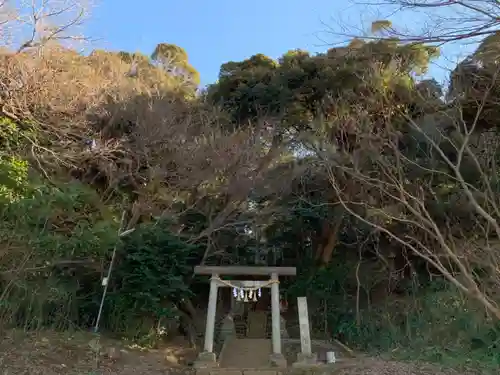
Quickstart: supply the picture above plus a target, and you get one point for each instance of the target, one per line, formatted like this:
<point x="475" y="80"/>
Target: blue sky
<point x="216" y="31"/>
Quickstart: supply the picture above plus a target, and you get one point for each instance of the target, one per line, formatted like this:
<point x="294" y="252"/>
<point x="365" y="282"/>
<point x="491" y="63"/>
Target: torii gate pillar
<point x="207" y="358"/>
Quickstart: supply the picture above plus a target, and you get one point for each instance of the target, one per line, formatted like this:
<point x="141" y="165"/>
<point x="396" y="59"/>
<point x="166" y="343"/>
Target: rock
<point x="113" y="353"/>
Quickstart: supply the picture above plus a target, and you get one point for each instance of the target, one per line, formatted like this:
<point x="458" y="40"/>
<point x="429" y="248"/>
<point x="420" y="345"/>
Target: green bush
<point x="437" y="324"/>
<point x="57" y="243"/>
<point x="150" y="277"/>
<point x="53" y="238"/>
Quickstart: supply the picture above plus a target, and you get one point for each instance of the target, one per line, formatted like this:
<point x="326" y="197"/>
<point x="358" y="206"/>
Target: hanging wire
<point x="105" y="281"/>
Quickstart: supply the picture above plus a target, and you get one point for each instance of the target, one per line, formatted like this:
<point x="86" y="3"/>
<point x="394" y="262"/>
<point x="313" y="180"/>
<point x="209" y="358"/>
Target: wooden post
<point x="305" y="333"/>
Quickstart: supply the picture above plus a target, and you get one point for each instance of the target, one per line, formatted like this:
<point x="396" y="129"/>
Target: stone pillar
<point x="211" y="311"/>
<point x="277" y="358"/>
<point x="306" y="357"/>
<point x="207" y="358"/>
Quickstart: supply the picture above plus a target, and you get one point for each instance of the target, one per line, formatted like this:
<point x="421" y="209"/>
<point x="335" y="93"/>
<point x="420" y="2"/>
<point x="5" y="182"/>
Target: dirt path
<point x="50" y="353"/>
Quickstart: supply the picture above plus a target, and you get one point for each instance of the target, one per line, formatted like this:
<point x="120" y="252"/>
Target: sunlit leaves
<point x="380" y="25"/>
<point x="174" y="60"/>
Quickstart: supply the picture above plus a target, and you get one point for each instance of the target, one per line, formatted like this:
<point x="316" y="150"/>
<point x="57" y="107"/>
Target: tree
<point x="174" y="60"/>
<point x="474" y="84"/>
<point x="444" y="21"/>
<point x="31" y="25"/>
<point x="314" y="100"/>
<point x="440" y="203"/>
<point x="299" y="88"/>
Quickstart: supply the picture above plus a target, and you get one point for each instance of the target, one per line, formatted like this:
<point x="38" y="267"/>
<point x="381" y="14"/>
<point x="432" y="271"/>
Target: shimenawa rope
<point x="245" y="293"/>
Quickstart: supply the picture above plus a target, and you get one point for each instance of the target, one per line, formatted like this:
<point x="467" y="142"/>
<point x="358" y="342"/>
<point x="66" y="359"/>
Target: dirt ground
<point x="52" y="353"/>
<point x="373" y="366"/>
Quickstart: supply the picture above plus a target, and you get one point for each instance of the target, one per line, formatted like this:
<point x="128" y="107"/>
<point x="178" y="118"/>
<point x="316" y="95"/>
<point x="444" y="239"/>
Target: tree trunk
<point x="328" y="240"/>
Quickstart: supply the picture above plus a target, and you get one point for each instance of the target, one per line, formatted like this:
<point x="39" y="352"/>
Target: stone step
<point x="245" y="353"/>
<point x="257" y="324"/>
<point x="239" y="371"/>
<point x="317" y="369"/>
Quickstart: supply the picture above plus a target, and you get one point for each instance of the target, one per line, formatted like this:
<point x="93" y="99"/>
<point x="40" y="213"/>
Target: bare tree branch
<point x="397" y="194"/>
<point x="443" y="22"/>
<point x="33" y="24"/>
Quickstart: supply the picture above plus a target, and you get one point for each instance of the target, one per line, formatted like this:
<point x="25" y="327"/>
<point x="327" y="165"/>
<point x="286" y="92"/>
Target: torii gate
<point x="247" y="289"/>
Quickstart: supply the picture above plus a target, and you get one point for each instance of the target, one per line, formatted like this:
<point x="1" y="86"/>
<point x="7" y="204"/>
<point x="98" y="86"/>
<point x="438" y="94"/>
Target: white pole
<point x="105" y="281"/>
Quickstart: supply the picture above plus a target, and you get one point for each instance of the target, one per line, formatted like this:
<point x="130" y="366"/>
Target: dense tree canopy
<point x="299" y="87"/>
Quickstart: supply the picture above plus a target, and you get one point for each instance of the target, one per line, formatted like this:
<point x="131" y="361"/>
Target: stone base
<point x="277" y="360"/>
<point x="305" y="360"/>
<point x="206" y="360"/>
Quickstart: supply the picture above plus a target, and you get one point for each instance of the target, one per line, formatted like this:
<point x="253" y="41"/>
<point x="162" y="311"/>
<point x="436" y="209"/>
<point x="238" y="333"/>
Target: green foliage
<point x="474" y="85"/>
<point x="59" y="237"/>
<point x="436" y="324"/>
<point x="170" y="56"/>
<point x="299" y="88"/>
<point x="170" y="53"/>
<point x="442" y="327"/>
<point x="11" y="136"/>
<point x="13" y="167"/>
<point x="70" y="218"/>
<point x="152" y="268"/>
<point x="54" y="235"/>
<point x="13" y="178"/>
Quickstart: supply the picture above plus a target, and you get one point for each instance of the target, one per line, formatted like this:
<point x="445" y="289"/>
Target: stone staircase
<point x="252" y="350"/>
<point x="245" y="353"/>
<point x="257" y="325"/>
<point x="248" y="349"/>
